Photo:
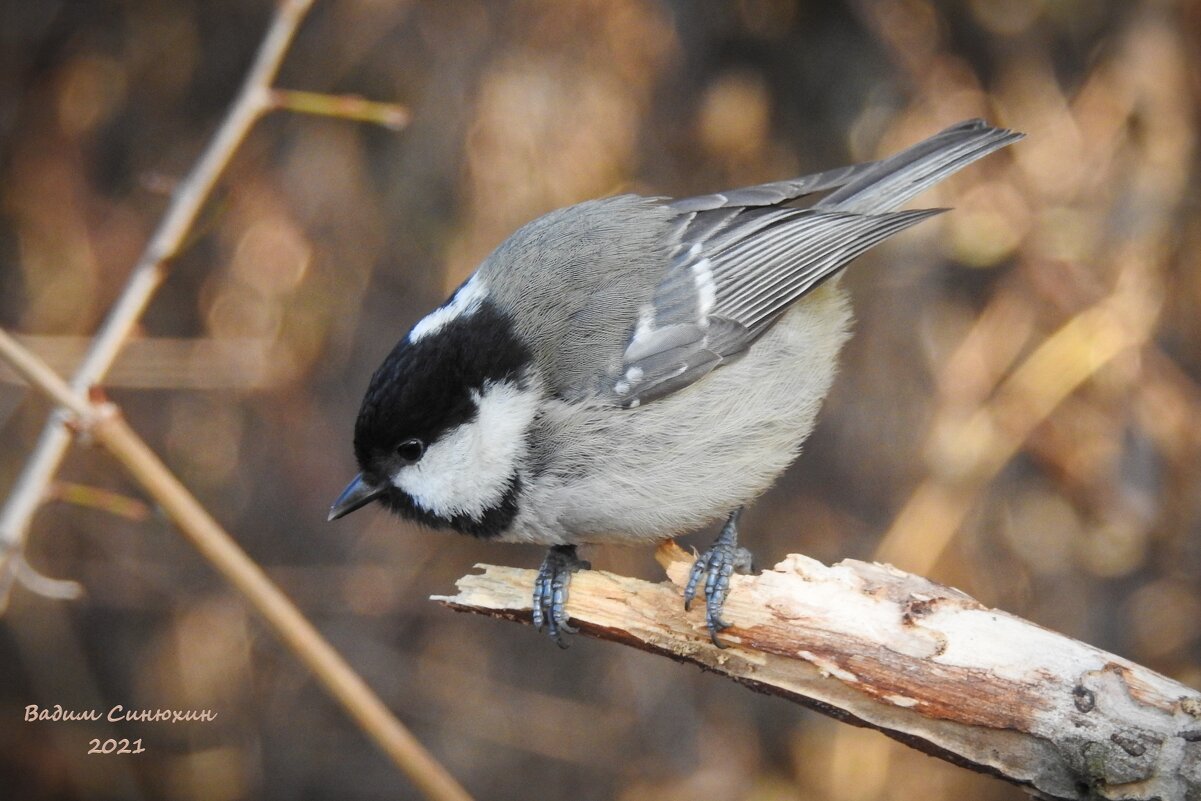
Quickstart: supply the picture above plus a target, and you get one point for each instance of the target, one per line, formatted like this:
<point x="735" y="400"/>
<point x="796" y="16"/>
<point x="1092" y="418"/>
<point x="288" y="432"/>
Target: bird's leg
<point x="550" y="591"/>
<point x="717" y="565"/>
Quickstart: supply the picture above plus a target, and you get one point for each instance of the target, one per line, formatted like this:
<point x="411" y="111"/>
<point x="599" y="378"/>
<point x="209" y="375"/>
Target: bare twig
<point x="347" y="107"/>
<point x="190" y="363"/>
<point x="252" y="101"/>
<point x="106" y="426"/>
<point x="925" y="664"/>
<point x="114" y="503"/>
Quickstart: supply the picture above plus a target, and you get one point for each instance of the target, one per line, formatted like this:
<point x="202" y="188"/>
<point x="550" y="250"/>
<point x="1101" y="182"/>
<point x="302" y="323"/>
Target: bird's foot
<point x="716" y="565"/>
<point x="550" y="591"/>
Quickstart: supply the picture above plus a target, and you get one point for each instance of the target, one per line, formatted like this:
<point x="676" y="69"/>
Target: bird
<point x="629" y="369"/>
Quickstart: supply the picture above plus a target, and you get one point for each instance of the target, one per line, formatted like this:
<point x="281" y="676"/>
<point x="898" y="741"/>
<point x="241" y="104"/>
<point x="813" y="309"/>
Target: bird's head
<point x="442" y="430"/>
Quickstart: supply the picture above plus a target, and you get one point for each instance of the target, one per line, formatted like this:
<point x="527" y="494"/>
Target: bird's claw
<point x="716" y="565"/>
<point x="550" y="591"/>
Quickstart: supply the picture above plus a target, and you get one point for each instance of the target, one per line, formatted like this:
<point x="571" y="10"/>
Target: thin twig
<point x="252" y="102"/>
<point x="109" y="429"/>
<point x="114" y="503"/>
<point x="347" y="107"/>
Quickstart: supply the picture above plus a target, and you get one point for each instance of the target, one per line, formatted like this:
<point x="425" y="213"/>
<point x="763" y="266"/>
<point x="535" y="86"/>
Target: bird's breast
<point x="680" y="462"/>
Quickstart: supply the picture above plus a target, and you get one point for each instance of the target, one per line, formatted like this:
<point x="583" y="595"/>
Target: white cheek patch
<point x="465" y="303"/>
<point x="470" y="468"/>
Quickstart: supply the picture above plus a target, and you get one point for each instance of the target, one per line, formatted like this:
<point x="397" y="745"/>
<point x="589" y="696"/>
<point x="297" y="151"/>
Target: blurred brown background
<point x="328" y="238"/>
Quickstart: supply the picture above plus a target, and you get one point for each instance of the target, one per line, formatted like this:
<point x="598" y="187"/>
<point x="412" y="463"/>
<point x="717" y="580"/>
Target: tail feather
<point x="887" y="184"/>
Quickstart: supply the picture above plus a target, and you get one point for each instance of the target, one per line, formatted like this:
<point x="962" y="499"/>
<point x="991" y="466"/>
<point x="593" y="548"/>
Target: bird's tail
<point x="888" y="183"/>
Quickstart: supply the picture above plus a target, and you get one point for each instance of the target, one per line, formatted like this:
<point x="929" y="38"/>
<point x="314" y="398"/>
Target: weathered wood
<point x="924" y="663"/>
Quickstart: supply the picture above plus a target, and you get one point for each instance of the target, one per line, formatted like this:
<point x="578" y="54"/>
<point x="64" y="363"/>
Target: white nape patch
<point x="706" y="290"/>
<point x="621" y="387"/>
<point x="634" y="373"/>
<point x="468" y="470"/>
<point x="464" y="303"/>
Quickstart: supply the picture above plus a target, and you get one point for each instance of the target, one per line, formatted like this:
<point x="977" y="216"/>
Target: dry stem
<point x="106" y="426"/>
<point x="252" y="101"/>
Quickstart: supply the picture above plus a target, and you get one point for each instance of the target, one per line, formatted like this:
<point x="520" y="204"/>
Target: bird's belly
<point x="682" y="461"/>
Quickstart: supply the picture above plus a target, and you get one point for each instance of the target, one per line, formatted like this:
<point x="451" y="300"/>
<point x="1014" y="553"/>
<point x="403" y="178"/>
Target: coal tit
<point x="629" y="369"/>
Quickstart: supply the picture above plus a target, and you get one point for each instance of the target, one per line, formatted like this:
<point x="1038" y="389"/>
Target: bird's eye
<point x="411" y="450"/>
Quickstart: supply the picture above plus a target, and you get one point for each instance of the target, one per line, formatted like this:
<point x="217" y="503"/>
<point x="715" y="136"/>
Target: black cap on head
<point x="428" y="386"/>
<point x="423" y="388"/>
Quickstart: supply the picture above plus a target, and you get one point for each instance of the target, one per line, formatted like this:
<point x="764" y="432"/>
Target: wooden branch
<point x="923" y="663"/>
<point x="104" y="423"/>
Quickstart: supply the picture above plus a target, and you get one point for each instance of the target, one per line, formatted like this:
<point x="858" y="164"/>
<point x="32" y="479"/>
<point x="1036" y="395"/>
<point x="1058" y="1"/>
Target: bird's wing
<point x="723" y="291"/>
<point x="739" y="261"/>
<point x="775" y="193"/>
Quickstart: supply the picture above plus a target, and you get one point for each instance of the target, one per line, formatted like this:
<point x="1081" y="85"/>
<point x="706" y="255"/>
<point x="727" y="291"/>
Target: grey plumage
<point x="576" y="278"/>
<point x="629" y="273"/>
<point x="629" y="369"/>
<point x="725" y="386"/>
<point x="762" y="260"/>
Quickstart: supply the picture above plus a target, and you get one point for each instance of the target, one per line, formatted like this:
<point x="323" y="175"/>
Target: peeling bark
<point x="924" y="663"/>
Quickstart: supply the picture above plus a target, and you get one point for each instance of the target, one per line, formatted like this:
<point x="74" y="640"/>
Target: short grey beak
<point x="358" y="493"/>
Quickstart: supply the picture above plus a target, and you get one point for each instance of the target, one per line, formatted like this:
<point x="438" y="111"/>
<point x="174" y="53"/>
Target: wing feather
<point x="774" y="193"/>
<point x="738" y="260"/>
